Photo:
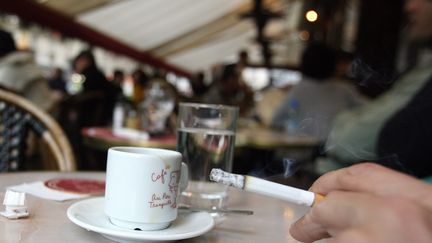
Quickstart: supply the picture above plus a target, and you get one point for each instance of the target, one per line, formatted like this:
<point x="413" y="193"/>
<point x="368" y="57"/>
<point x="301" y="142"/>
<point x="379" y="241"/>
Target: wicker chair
<point x="18" y="117"/>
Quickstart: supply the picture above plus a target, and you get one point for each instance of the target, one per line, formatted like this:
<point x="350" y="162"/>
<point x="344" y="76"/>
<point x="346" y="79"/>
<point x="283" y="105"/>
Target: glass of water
<point x="206" y="139"/>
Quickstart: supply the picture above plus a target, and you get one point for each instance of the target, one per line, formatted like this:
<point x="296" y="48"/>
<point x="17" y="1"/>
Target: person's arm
<point x="404" y="139"/>
<point x="280" y="116"/>
<point x="39" y="93"/>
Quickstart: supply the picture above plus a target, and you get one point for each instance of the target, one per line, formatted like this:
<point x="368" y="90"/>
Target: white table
<point x="48" y="221"/>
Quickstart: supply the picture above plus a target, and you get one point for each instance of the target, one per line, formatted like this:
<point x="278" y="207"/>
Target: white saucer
<point x="89" y="214"/>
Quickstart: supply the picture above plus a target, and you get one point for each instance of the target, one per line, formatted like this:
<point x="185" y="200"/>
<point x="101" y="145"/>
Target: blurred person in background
<point x="140" y="83"/>
<point x="118" y="77"/>
<point x="343" y="63"/>
<point x="317" y="98"/>
<point x="229" y="89"/>
<point x="199" y="87"/>
<point x="394" y="129"/>
<point x="95" y="81"/>
<point x="19" y="74"/>
<point x="243" y="61"/>
<point x="85" y="64"/>
<point x="117" y="83"/>
<point x="345" y="75"/>
<point x="270" y="97"/>
<point x="57" y="81"/>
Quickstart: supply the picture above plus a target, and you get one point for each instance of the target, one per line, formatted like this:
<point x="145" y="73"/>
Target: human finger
<point x="367" y="218"/>
<point x="356" y="235"/>
<point x="375" y="179"/>
<point x="338" y="211"/>
<point x="306" y="230"/>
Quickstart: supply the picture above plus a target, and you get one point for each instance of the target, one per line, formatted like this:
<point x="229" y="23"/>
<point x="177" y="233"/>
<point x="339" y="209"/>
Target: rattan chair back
<point x="18" y="117"/>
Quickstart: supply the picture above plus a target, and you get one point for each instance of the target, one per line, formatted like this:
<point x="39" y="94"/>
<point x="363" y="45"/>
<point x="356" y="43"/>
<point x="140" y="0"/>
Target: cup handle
<point x="184" y="177"/>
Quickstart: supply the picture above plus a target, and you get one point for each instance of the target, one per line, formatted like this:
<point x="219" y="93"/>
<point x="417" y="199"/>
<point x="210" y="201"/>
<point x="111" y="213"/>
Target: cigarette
<point x="267" y="188"/>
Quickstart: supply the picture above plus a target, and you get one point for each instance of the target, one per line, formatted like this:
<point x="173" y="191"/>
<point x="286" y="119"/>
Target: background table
<point x="255" y="137"/>
<point x="257" y="148"/>
<point x="103" y="138"/>
<point x="48" y="221"/>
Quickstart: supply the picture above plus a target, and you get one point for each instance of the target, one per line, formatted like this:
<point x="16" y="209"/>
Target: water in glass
<point x="204" y="149"/>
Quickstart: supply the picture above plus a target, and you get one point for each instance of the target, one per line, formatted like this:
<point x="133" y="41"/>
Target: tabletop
<point x="48" y="221"/>
<point x="255" y="137"/>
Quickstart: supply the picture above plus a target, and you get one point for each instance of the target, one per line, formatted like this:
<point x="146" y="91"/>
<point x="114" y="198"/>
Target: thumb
<point x="306" y="230"/>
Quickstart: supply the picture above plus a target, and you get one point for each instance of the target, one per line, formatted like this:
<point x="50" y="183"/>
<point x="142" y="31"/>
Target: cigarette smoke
<point x="366" y="76"/>
<point x="390" y="160"/>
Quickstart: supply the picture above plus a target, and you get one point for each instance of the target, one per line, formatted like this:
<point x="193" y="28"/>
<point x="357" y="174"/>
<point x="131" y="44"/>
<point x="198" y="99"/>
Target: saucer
<point x="89" y="215"/>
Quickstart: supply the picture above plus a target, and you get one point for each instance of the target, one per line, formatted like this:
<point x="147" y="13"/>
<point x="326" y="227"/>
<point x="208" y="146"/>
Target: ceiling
<point x="190" y="34"/>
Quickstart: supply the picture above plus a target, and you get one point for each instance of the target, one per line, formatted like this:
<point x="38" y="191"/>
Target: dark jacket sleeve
<point x="405" y="142"/>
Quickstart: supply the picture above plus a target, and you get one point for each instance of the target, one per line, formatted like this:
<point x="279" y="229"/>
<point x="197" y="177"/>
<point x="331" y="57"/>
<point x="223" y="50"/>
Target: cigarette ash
<point x="226" y="178"/>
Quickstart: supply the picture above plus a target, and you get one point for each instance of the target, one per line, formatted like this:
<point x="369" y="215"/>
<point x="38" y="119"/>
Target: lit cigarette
<point x="267" y="188"/>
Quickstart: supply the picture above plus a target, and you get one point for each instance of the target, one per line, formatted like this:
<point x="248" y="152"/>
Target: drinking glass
<point x="206" y="139"/>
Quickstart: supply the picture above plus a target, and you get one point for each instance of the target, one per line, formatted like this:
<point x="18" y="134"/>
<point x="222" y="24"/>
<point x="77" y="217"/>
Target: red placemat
<point x="80" y="186"/>
<point x="106" y="133"/>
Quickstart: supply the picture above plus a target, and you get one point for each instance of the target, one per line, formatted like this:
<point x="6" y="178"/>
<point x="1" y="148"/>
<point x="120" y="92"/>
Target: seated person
<point x="317" y="98"/>
<point x="19" y="74"/>
<point x="230" y="90"/>
<point x="395" y="128"/>
<point x="57" y="82"/>
<point x="403" y="142"/>
<point x="95" y="81"/>
<point x="140" y="82"/>
<point x="199" y="87"/>
<point x="270" y="97"/>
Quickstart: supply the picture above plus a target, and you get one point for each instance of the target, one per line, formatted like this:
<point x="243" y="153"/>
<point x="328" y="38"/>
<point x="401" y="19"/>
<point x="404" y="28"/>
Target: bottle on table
<point x="293" y="124"/>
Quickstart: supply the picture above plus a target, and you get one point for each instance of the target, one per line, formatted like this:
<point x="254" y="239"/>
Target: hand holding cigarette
<point x="267" y="188"/>
<point x="368" y="203"/>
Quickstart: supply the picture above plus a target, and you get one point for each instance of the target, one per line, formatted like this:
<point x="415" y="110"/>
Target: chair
<point x="18" y="117"/>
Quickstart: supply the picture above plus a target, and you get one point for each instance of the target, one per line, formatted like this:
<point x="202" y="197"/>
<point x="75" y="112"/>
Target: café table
<point x="103" y="138"/>
<point x="48" y="221"/>
<point x="267" y="138"/>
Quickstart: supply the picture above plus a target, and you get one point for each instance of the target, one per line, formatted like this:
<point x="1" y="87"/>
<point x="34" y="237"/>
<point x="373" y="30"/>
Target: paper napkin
<point x="131" y="133"/>
<point x="38" y="189"/>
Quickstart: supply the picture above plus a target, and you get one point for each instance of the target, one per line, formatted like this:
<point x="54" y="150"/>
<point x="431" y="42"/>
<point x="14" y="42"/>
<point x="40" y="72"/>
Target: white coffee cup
<point x="142" y="187"/>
